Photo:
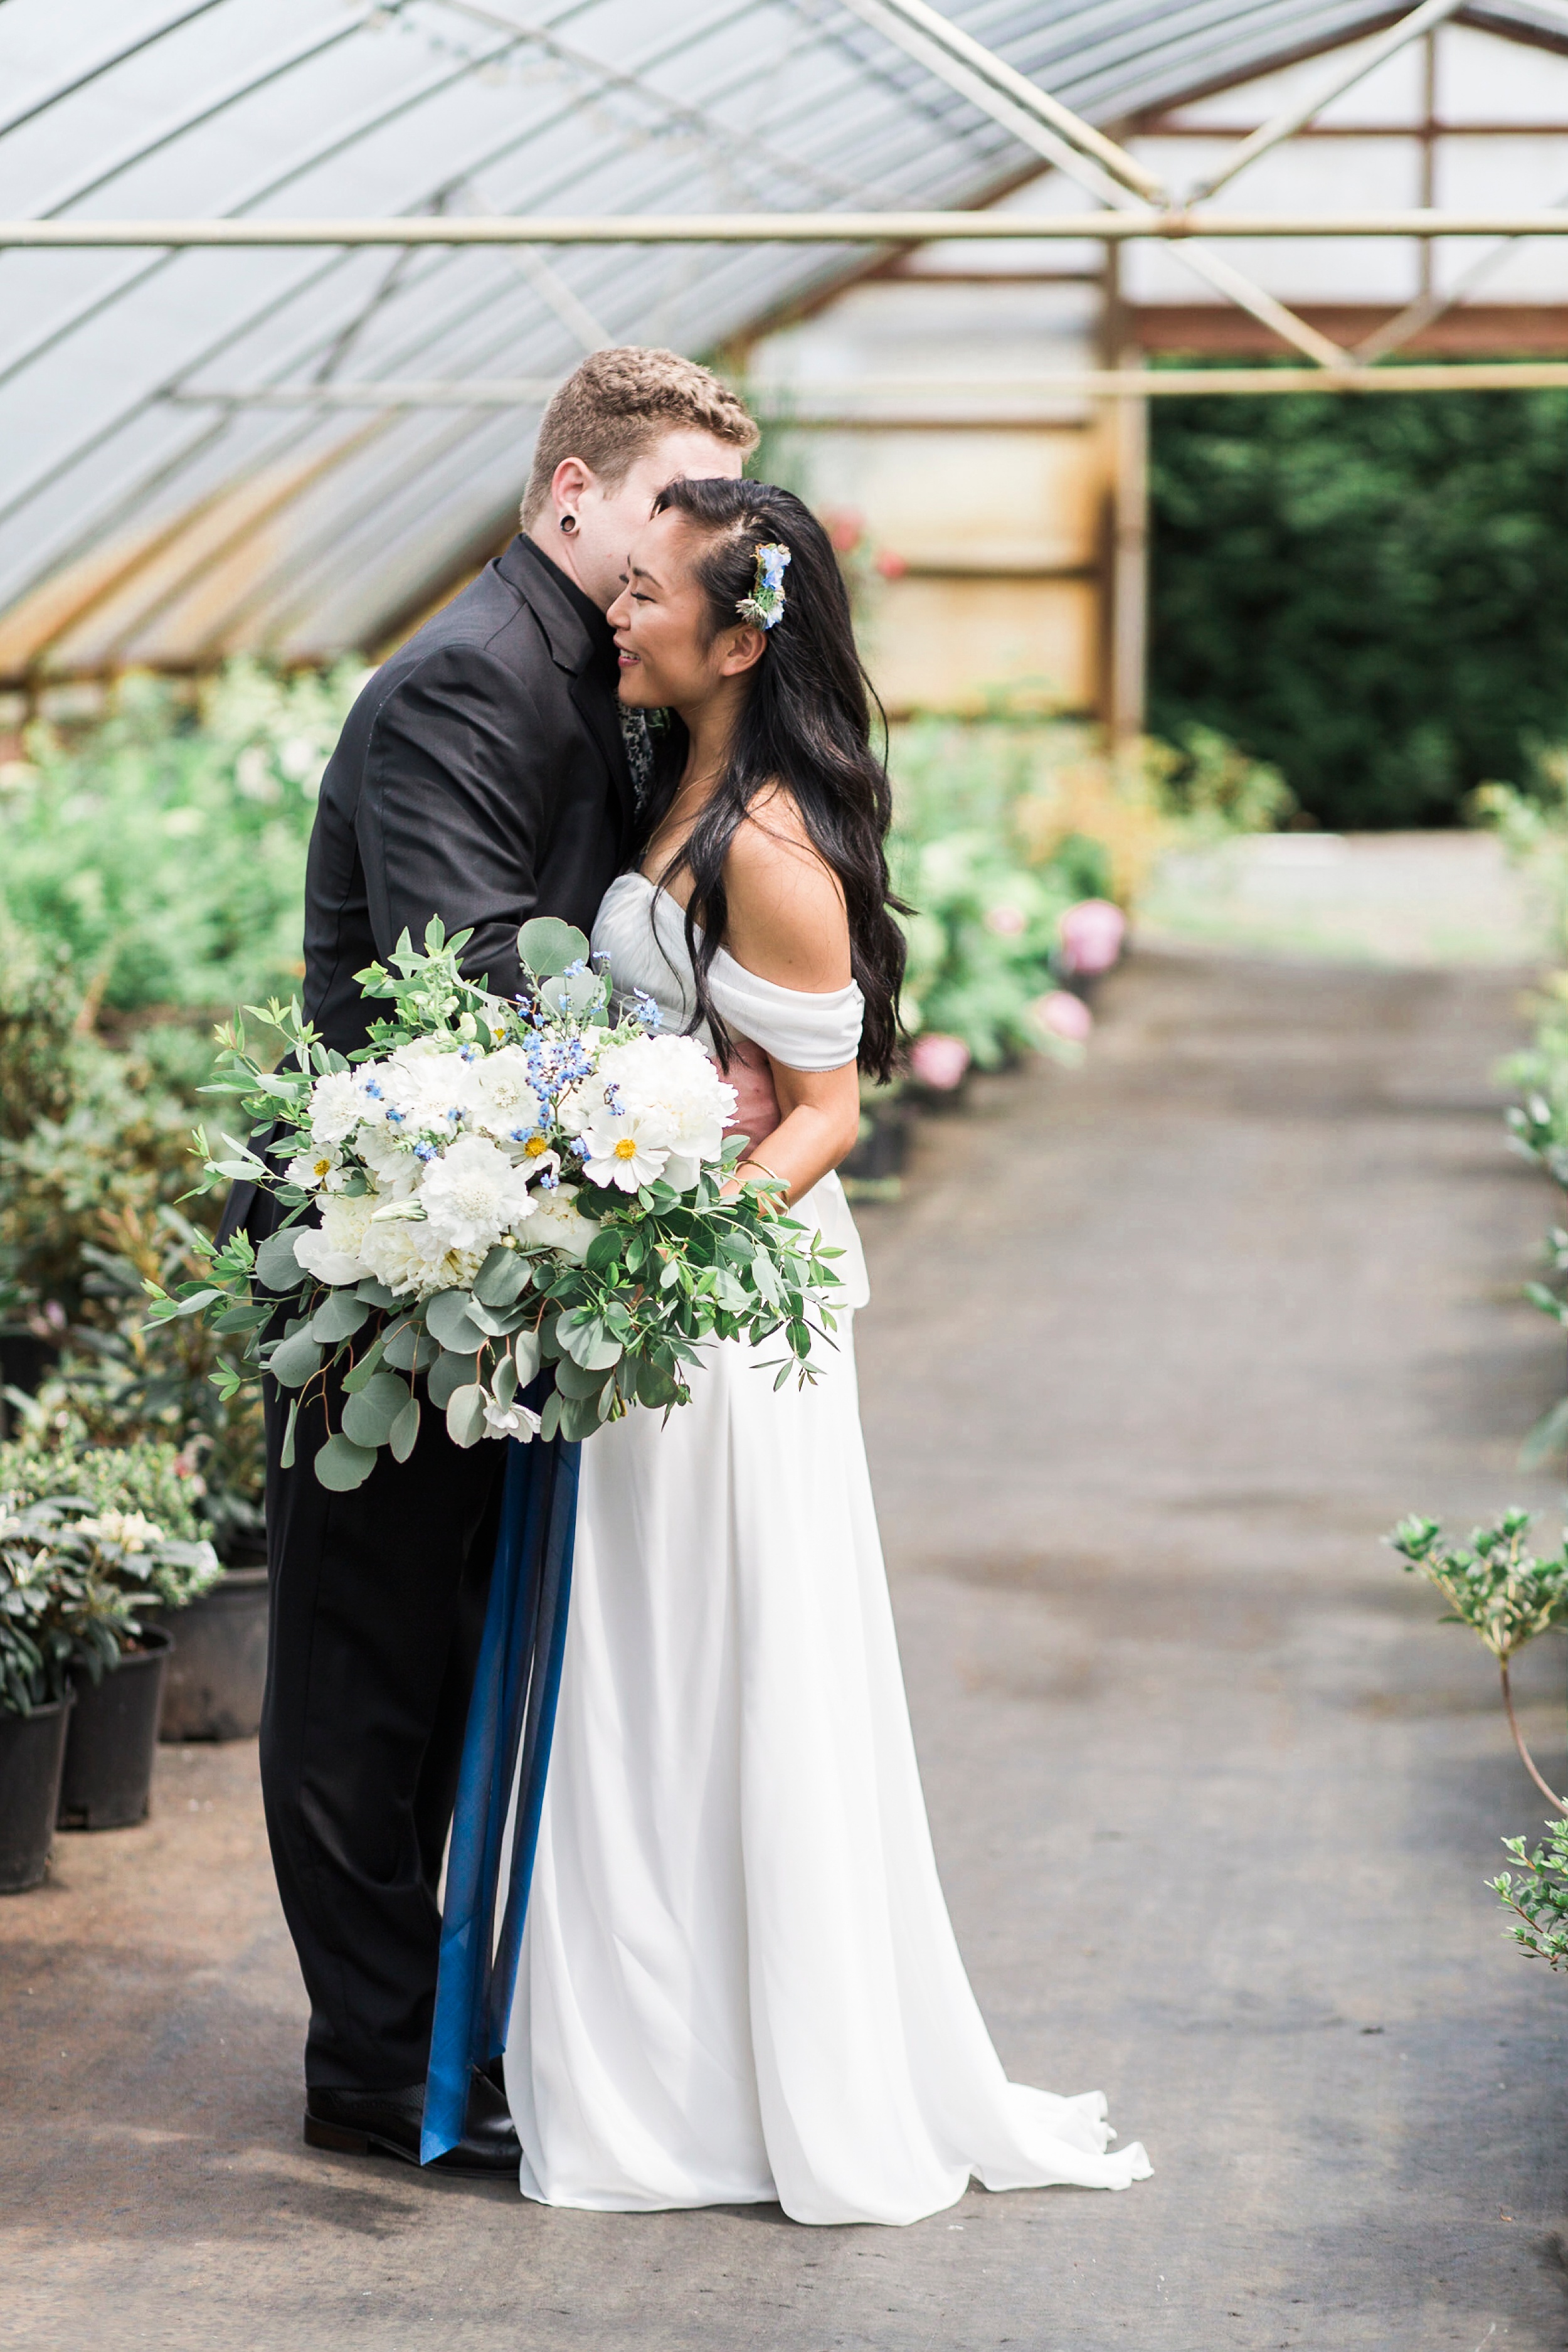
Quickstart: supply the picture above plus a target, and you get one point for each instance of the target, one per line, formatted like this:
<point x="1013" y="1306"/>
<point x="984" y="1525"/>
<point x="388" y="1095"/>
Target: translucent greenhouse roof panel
<point x="160" y="503"/>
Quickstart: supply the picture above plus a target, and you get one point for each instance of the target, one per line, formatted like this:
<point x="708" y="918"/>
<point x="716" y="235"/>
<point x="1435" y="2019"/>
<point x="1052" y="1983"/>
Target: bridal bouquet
<point x="485" y="1190"/>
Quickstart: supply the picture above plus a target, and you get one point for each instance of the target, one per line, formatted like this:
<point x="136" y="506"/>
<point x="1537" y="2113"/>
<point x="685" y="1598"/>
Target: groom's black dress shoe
<point x="387" y="2123"/>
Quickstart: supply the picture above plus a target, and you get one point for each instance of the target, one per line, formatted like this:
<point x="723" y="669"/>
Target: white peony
<point x="558" y="1224"/>
<point x="408" y="1254"/>
<point x="473" y="1194"/>
<point x="333" y="1251"/>
<point x="337" y="1105"/>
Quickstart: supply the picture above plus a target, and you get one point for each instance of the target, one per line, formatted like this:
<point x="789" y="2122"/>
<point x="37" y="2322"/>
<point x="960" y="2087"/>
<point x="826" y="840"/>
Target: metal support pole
<point x="1129" y="559"/>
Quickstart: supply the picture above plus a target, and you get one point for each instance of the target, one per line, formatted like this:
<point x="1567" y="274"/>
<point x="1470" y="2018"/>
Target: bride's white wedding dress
<point x="739" y="1981"/>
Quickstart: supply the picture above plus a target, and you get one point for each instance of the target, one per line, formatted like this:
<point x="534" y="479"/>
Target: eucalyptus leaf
<point x="577" y="993"/>
<point x="494" y="1322"/>
<point x="587" y="1342"/>
<point x="405" y="1429"/>
<point x="466" y="1415"/>
<point x="277" y="1268"/>
<point x="656" y="1384"/>
<point x="447" y="1318"/>
<point x="370" y="1412"/>
<point x="549" y="1417"/>
<point x="504" y="1381"/>
<point x="339" y="1317"/>
<point x="365" y="1370"/>
<point x="447" y="1375"/>
<point x="573" y="1382"/>
<point x="286" y="1458"/>
<point x="578" y="1417"/>
<point x="294" y="1360"/>
<point x="410" y="1349"/>
<point x="503" y="1279"/>
<point x="343" y="1466"/>
<point x="546" y="946"/>
<point x="376" y="1294"/>
<point x="526" y="1350"/>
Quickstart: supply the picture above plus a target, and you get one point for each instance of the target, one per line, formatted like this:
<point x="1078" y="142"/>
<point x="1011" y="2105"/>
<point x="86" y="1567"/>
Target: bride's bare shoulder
<point x="786" y="917"/>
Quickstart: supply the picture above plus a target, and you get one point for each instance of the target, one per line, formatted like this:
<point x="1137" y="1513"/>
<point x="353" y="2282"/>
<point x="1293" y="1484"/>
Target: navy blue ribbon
<point x="511" y="1718"/>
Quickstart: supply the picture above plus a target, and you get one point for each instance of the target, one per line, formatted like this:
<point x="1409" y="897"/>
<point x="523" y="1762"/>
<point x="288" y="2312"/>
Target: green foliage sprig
<point x="1539" y="1896"/>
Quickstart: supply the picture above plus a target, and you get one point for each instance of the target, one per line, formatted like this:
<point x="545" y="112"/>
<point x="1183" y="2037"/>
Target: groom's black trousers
<point x="378" y="1605"/>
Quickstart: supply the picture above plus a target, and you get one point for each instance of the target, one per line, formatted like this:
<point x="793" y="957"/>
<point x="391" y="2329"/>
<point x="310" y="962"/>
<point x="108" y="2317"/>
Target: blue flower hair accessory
<point x="765" y="605"/>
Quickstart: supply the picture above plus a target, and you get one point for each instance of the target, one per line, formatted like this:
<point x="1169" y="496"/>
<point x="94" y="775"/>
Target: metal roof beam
<point x="1294" y="118"/>
<point x="1054" y="131"/>
<point x="923" y="30"/>
<point x="1178" y="227"/>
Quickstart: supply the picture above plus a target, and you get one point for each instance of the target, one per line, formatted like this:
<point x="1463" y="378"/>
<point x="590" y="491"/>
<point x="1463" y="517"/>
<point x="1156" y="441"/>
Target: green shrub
<point x="165" y="846"/>
<point x="1373" y="595"/>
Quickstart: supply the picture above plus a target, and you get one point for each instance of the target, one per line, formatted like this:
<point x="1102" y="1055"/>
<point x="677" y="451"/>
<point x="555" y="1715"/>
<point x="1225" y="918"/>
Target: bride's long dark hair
<point x="805" y="725"/>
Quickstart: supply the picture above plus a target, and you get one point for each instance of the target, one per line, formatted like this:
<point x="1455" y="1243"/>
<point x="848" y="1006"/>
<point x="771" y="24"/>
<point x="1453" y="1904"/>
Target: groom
<point x="481" y="776"/>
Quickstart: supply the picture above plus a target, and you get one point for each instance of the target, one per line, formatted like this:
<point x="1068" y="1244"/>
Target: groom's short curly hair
<point x="618" y="404"/>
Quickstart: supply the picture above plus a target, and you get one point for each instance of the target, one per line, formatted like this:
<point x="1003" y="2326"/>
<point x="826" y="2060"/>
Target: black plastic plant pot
<point x="218" y="1671"/>
<point x="114" y="1731"/>
<point x="32" y="1756"/>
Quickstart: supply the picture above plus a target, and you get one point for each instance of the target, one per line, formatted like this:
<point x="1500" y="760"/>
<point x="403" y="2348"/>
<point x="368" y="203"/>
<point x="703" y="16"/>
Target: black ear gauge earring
<point x="569" y="524"/>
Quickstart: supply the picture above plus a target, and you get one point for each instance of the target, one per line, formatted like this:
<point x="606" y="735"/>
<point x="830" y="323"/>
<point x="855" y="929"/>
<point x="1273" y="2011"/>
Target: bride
<point x="739" y="1982"/>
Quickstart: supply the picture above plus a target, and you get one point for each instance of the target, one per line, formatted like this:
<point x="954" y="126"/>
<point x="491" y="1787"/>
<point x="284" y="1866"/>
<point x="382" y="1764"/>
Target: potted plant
<point x="128" y="1512"/>
<point x="58" y="1615"/>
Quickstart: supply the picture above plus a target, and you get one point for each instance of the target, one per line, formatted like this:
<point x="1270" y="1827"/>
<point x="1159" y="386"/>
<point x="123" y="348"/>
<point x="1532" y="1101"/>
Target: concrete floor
<point x="1159" y="1348"/>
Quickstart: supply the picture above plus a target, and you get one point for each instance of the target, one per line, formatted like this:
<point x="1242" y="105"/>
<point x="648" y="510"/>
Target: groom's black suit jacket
<point x="481" y="777"/>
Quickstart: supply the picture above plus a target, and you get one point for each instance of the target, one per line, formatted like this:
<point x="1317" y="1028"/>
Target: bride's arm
<point x="786" y="923"/>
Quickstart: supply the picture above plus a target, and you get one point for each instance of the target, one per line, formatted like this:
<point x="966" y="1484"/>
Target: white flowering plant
<point x="486" y="1191"/>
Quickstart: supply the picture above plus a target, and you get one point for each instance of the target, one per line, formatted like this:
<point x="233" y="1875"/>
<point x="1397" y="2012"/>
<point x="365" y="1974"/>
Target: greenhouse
<point x="1168" y="407"/>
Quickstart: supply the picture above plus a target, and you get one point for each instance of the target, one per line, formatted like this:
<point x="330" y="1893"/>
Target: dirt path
<point x="1212" y="1794"/>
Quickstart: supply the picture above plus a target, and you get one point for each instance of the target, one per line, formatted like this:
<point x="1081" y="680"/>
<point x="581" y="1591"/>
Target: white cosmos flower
<point x="315" y="1169"/>
<point x="337" y="1105"/>
<point x="473" y="1194"/>
<point x="674" y="1077"/>
<point x="627" y="1148"/>
<point x="510" y="1421"/>
<point x="558" y="1224"/>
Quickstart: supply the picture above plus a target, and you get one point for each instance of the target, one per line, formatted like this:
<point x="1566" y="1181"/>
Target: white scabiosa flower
<point x="473" y="1194"/>
<point x="558" y="1224"/>
<point x="337" y="1107"/>
<point x="498" y="1101"/>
